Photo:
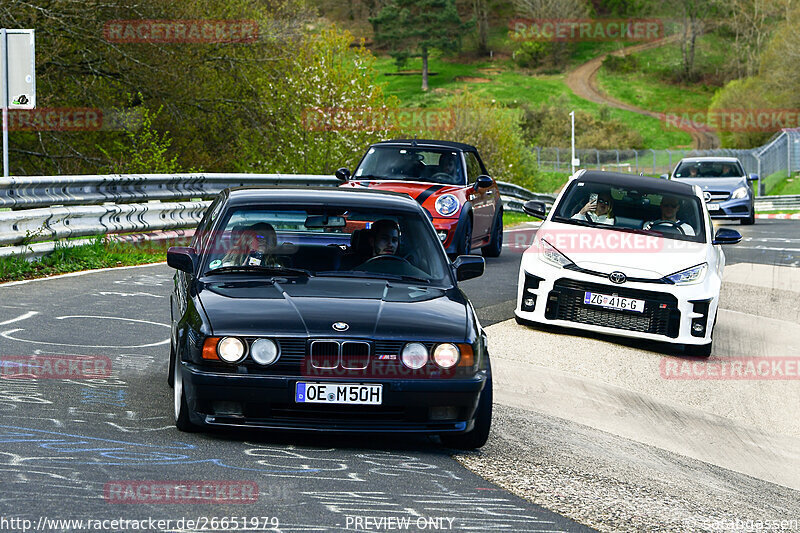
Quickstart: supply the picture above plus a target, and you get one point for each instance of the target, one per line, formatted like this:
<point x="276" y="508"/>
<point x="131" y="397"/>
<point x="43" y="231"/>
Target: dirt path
<point x="583" y="82"/>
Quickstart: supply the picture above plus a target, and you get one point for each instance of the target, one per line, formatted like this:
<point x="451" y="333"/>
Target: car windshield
<point x="412" y="164"/>
<point x="286" y="241"/>
<point x="602" y="205"/>
<point x="709" y="169"/>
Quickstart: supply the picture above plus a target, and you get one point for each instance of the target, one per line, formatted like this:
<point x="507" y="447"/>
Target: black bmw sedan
<point x="326" y="310"/>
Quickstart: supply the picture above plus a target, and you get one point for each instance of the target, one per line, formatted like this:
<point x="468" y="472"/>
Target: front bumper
<point x="266" y="401"/>
<point x="731" y="209"/>
<point x="449" y="228"/>
<point x="670" y="313"/>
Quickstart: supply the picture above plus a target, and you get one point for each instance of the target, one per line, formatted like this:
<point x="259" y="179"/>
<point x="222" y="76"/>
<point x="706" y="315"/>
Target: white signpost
<point x="17" y="77"/>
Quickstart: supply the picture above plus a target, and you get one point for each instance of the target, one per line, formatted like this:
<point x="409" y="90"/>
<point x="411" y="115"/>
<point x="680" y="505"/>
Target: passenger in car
<point x="253" y="247"/>
<point x="669" y="217"/>
<point x="599" y="210"/>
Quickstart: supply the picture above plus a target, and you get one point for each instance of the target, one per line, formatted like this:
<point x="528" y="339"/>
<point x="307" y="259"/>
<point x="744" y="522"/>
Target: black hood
<point x="310" y="307"/>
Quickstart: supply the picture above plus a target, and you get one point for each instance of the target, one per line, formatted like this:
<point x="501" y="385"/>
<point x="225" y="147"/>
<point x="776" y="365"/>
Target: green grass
<point x="512" y="88"/>
<point x="784" y="185"/>
<point x="512" y="218"/>
<point x="99" y="254"/>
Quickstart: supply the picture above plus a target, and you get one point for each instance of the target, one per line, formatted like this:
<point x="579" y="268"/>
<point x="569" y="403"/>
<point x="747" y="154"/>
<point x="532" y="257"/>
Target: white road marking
<point x="20" y="318"/>
<point x="7" y="334"/>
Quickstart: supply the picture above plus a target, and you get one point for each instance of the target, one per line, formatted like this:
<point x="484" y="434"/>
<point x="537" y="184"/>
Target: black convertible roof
<point x="428" y="142"/>
<point x="632" y="181"/>
<point x="360" y="198"/>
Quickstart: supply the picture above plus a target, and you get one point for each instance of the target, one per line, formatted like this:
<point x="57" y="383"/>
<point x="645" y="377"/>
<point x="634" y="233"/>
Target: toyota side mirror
<point x="727" y="236"/>
<point x="182" y="258"/>
<point x="535" y="208"/>
<point x="664" y="176"/>
<point x="343" y="174"/>
<point x="469" y="266"/>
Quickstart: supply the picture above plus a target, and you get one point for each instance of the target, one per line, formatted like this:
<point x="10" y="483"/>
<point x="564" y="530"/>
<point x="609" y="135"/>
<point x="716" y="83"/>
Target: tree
<point x="412" y="28"/>
<point x="480" y="9"/>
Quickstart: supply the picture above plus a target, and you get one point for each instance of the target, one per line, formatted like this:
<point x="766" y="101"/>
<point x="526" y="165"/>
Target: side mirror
<point x="343" y="174"/>
<point x="727" y="236"/>
<point x="469" y="266"/>
<point x="182" y="258"/>
<point x="483" y="182"/>
<point x="752" y="177"/>
<point x="535" y="208"/>
<point x="664" y="176"/>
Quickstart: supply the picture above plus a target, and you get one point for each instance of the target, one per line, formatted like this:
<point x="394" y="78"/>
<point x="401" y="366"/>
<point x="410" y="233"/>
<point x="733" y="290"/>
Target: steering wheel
<point x="385" y="257"/>
<point x="669" y="223"/>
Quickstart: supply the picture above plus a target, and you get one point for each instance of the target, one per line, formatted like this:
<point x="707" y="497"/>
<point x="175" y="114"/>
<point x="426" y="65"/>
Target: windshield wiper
<point x="276" y="270"/>
<point x="374" y="275"/>
<point x="368" y="177"/>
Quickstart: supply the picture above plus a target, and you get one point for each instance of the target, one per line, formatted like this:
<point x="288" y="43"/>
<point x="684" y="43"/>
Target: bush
<point x="495" y="131"/>
<point x="531" y="54"/>
<point x="621" y="64"/>
<point x="549" y="125"/>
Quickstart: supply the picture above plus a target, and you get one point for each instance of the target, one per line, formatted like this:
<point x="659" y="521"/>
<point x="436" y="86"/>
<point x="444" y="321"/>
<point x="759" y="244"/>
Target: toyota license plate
<point x="343" y="393"/>
<point x="613" y="302"/>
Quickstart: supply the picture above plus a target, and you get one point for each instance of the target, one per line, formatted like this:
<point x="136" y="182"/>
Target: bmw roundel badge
<point x="341" y="326"/>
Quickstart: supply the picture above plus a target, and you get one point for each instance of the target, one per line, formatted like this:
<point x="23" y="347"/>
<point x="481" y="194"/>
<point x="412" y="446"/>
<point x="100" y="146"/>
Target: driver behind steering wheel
<point x="384" y="238"/>
<point x="669" y="217"/>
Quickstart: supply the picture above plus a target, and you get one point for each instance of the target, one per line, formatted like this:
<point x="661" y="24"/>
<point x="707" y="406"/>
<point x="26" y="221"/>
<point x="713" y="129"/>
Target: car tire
<point x="479" y="434"/>
<point x="465" y="246"/>
<point x="698" y="350"/>
<point x="182" y="420"/>
<point x="171" y="370"/>
<point x="749" y="221"/>
<point x="495" y="246"/>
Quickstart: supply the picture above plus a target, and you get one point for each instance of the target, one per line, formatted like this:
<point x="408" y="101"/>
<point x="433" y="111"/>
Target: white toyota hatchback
<point x="626" y="255"/>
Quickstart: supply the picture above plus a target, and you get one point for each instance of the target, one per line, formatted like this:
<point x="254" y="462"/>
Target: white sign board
<point x="20" y="59"/>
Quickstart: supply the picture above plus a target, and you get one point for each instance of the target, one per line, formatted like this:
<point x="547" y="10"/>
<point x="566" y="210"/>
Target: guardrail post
<point x="617" y="151"/>
<point x="636" y="153"/>
<point x="558" y="161"/>
<point x="654" y="160"/>
<point x="669" y="153"/>
<point x="760" y="183"/>
<point x="598" y="158"/>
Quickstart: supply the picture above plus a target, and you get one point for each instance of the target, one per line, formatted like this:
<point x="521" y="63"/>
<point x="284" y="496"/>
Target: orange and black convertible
<point x="448" y="179"/>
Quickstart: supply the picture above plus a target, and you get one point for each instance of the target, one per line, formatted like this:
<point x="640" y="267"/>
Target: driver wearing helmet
<point x="669" y="217"/>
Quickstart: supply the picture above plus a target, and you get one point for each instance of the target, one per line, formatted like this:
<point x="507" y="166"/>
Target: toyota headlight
<point x="230" y="350"/>
<point x="741" y="192"/>
<point x="696" y="274"/>
<point x="549" y="254"/>
<point x="414" y="355"/>
<point x="447" y="205"/>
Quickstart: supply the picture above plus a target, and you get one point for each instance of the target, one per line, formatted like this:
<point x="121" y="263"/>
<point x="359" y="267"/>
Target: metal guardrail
<point x="775" y="203"/>
<point x="48" y="208"/>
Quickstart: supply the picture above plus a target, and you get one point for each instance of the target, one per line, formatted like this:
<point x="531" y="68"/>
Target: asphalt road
<point x="75" y="449"/>
<point x="71" y="449"/>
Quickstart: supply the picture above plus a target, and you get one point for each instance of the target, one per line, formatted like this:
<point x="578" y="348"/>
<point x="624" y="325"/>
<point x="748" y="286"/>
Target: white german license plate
<point x="613" y="302"/>
<point x="713" y="207"/>
<point x="347" y="393"/>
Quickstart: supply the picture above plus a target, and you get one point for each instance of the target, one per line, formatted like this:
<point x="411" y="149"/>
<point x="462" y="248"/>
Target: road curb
<point x="780" y="216"/>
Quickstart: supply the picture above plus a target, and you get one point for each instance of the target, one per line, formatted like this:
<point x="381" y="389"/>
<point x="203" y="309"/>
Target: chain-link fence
<point x="780" y="154"/>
